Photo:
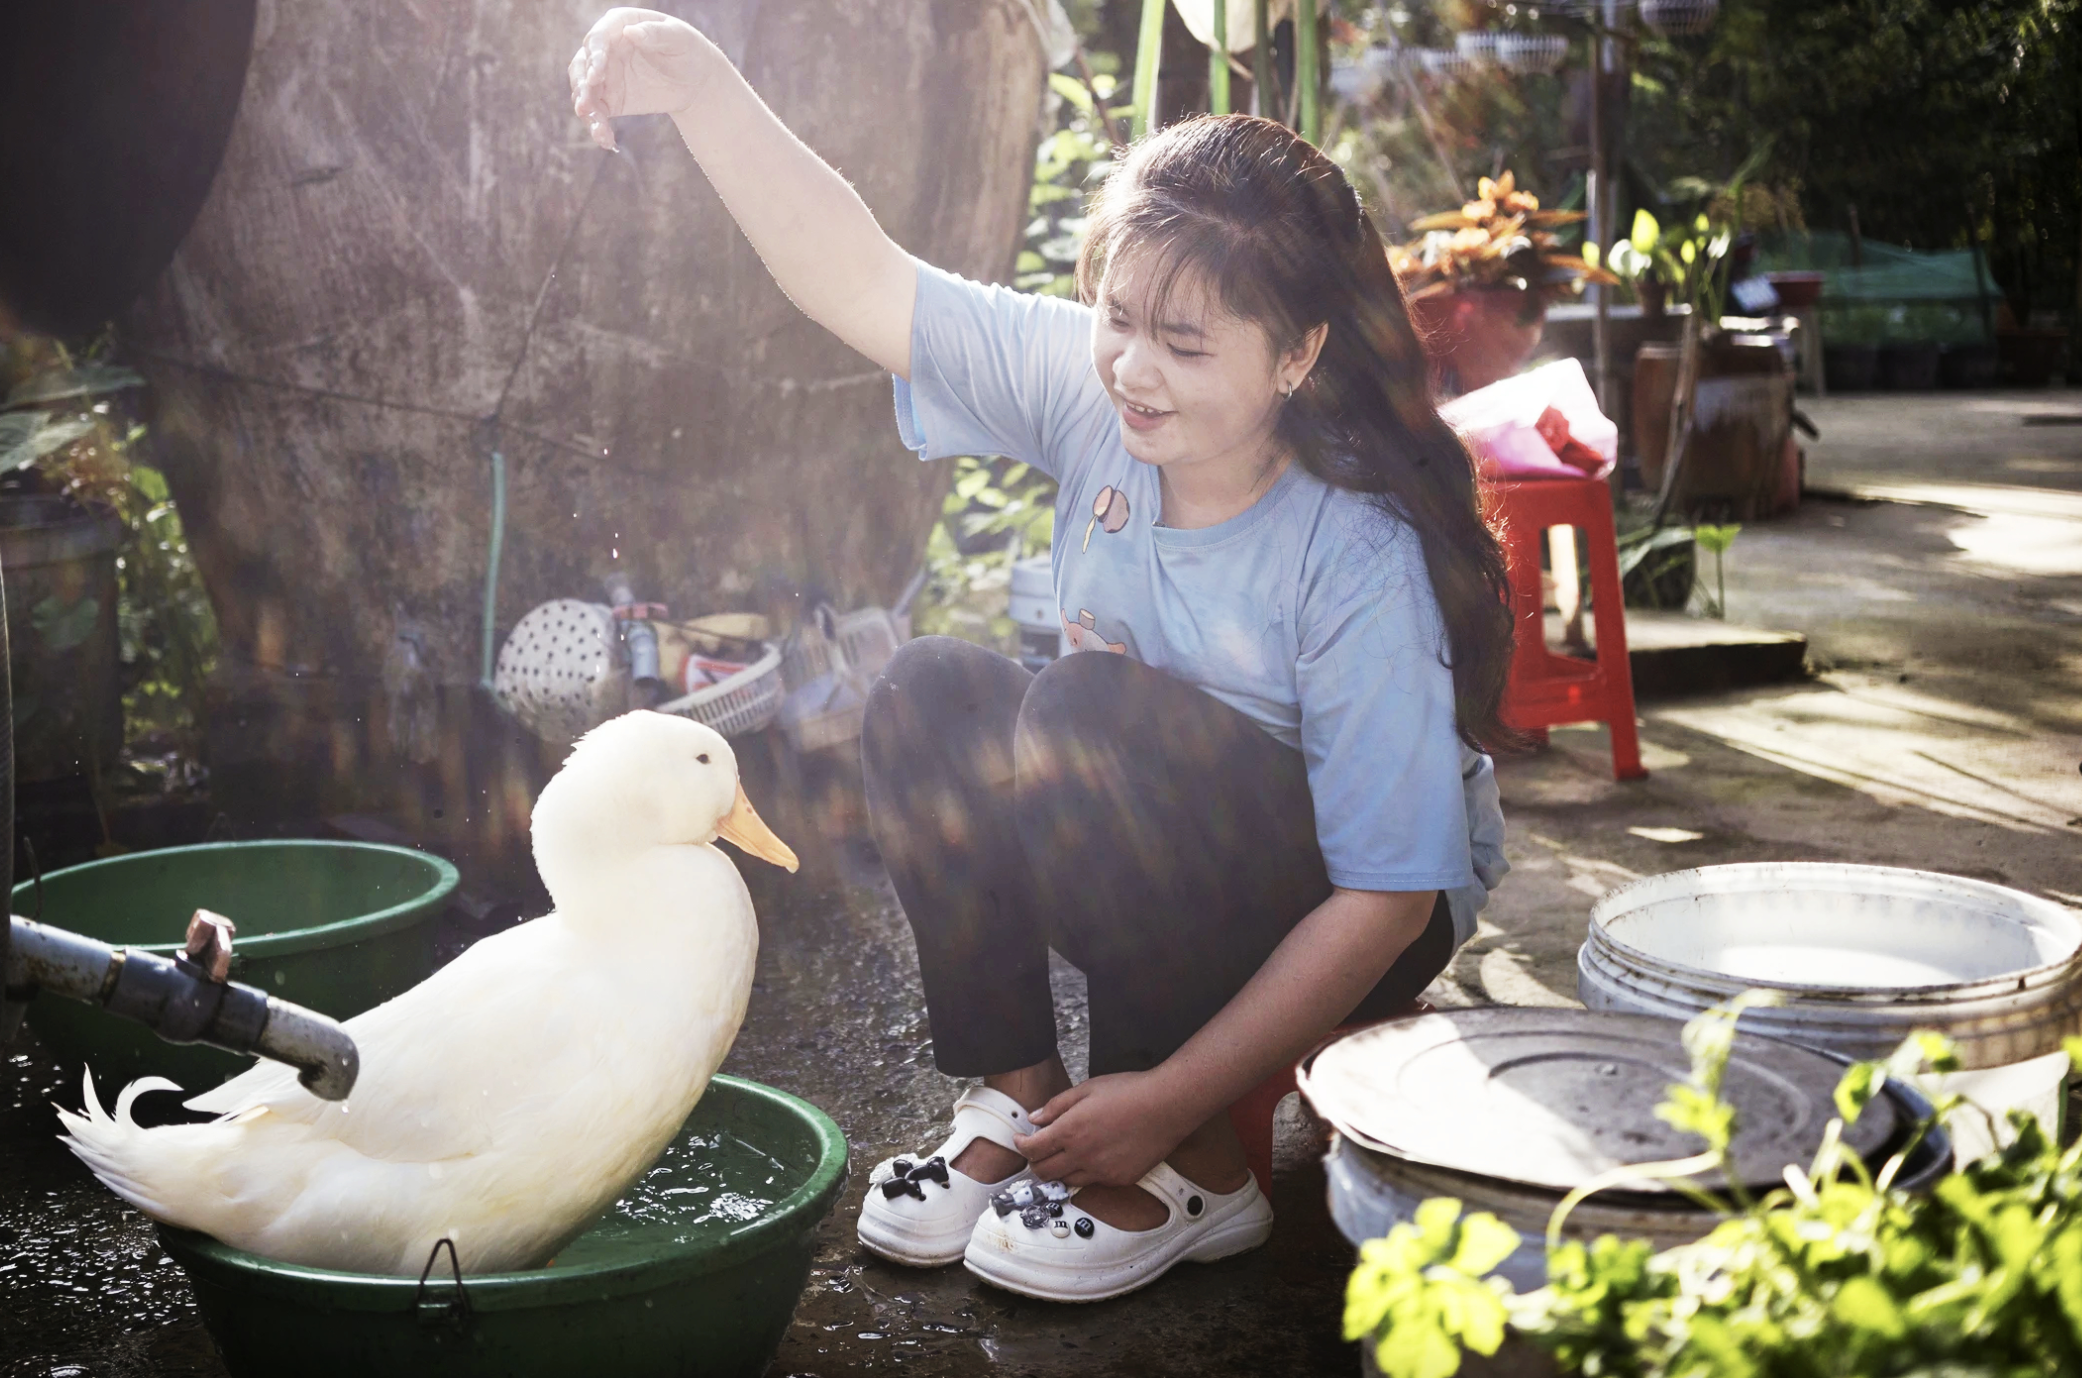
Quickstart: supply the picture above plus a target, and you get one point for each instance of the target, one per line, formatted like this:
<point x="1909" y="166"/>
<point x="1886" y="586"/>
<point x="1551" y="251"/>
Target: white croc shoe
<point x="1036" y="1242"/>
<point x="920" y="1210"/>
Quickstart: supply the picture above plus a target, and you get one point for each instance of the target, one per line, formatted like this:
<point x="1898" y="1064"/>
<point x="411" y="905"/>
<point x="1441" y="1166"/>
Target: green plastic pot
<point x="339" y="927"/>
<point x="667" y="1295"/>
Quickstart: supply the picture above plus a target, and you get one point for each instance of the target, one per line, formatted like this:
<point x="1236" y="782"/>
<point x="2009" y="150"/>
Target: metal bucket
<point x="1862" y="955"/>
<point x="1034" y="613"/>
<point x="1370" y="1193"/>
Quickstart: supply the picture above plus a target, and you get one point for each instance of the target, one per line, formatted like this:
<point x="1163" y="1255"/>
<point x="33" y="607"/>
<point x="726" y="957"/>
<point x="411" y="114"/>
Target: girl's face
<point x="1197" y="387"/>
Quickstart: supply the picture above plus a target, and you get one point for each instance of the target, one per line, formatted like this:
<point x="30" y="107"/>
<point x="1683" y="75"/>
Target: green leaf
<point x="62" y="627"/>
<point x="87" y="380"/>
<point x="1485" y="1242"/>
<point x="1859" y="1085"/>
<point x="1418" y="1349"/>
<point x="26" y="437"/>
<point x="1924" y="1049"/>
<point x="1863" y="1304"/>
<point x="1716" y="539"/>
<point x="1071" y="90"/>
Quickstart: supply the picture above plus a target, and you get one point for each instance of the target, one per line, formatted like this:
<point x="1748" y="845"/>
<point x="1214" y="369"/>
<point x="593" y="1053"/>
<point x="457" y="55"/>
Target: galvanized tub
<point x="1862" y="955"/>
<point x="1537" y="1102"/>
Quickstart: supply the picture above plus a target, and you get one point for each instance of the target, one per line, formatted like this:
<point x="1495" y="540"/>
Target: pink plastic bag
<point x="1541" y="424"/>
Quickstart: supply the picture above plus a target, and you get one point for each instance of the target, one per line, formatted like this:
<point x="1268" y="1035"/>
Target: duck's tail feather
<point x="146" y="1167"/>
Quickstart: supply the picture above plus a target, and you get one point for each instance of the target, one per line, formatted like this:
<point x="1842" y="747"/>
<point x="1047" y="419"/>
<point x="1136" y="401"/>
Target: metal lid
<point x="1551" y="1098"/>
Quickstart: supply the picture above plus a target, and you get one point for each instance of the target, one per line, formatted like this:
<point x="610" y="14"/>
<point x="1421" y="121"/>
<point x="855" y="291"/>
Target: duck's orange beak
<point x="744" y="829"/>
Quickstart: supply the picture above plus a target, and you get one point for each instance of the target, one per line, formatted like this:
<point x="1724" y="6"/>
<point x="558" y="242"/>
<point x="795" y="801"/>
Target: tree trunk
<point x="412" y="254"/>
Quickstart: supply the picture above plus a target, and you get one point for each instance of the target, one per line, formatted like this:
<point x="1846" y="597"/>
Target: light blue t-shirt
<point x="1311" y="612"/>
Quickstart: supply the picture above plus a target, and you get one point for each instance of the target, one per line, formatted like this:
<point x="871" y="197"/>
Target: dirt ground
<point x="1940" y="587"/>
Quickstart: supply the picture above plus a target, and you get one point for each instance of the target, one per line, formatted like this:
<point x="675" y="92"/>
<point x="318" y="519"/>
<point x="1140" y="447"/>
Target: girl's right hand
<point x="635" y="62"/>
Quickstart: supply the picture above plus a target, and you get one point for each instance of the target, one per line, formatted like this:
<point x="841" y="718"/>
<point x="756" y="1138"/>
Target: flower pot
<point x="1797" y="291"/>
<point x="1851" y="367"/>
<point x="60" y="565"/>
<point x="1967" y="366"/>
<point x="2030" y="357"/>
<point x="1741" y="422"/>
<point x="1479" y="336"/>
<point x="1655" y="378"/>
<point x="1909" y="367"/>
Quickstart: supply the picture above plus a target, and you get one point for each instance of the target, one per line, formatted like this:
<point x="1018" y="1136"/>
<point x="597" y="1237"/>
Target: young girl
<point x="1264" y="813"/>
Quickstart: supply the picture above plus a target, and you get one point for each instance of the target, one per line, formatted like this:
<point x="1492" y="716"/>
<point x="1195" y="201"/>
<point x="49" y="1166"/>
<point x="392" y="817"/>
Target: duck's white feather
<point x="501" y="1103"/>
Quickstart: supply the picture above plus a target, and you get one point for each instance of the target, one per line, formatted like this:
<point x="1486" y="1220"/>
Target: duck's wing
<point x="439" y="1062"/>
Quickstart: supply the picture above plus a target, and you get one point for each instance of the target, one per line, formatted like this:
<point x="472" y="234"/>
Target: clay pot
<point x="1478" y="336"/>
<point x="1742" y="460"/>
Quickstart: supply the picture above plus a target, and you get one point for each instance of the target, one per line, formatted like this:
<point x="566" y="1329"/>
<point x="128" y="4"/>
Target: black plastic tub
<point x="1851" y="367"/>
<point x="1909" y="366"/>
<point x="1967" y="366"/>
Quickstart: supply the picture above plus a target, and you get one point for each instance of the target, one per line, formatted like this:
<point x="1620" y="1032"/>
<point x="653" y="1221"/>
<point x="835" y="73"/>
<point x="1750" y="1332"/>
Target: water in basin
<point x="1819" y="965"/>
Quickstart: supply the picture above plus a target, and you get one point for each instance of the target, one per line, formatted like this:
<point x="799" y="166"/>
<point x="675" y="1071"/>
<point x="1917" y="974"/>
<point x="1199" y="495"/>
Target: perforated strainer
<point x="561" y="671"/>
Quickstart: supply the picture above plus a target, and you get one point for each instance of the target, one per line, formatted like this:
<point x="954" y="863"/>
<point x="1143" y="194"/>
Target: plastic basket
<point x="741" y="704"/>
<point x="865" y="640"/>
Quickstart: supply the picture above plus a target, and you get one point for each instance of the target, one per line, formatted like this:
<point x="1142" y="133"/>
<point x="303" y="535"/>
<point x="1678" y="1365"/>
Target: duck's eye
<point x="703" y="758"/>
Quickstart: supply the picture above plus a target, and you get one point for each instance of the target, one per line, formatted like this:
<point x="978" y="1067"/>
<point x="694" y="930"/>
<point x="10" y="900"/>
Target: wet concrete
<point x="1943" y="729"/>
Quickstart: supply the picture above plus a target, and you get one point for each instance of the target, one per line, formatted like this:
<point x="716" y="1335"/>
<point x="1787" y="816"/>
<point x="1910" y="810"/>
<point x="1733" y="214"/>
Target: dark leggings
<point x="1157" y="838"/>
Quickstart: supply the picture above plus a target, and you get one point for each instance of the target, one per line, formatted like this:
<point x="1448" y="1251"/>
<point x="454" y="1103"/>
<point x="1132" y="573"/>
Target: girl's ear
<point x="1300" y="357"/>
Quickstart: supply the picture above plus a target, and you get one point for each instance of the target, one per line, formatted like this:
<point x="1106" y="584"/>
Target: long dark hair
<point x="1278" y="235"/>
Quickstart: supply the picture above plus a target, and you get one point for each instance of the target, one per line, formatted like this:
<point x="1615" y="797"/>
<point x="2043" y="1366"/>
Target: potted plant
<point x="1739" y="447"/>
<point x="92" y="643"/>
<point x="1479" y="281"/>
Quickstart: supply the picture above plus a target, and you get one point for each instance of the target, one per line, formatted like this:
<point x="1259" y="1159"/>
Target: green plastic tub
<point x="339" y="927"/>
<point x="696" y="1271"/>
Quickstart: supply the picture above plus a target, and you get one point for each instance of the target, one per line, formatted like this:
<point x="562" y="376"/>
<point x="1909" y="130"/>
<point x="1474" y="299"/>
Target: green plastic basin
<point x="696" y="1270"/>
<point x="339" y="927"/>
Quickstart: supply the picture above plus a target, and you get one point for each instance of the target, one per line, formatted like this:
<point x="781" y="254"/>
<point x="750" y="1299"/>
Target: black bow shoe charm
<point x="908" y="1178"/>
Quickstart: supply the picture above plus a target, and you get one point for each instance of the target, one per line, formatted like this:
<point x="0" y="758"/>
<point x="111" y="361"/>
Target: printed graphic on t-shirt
<point x="1084" y="634"/>
<point x="1110" y="512"/>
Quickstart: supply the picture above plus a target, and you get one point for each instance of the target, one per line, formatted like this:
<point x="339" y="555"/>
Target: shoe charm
<point x="908" y="1178"/>
<point x="1037" y="1202"/>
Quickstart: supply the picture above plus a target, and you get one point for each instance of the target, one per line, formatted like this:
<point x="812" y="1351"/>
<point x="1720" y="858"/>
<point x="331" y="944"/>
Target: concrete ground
<point x="1942" y="729"/>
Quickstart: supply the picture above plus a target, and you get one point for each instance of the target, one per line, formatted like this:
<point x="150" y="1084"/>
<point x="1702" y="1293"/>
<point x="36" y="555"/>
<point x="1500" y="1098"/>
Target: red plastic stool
<point x="1545" y="688"/>
<point x="1252" y="1116"/>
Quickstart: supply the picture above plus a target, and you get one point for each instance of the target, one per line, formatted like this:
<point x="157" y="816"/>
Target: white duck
<point x="515" y="1093"/>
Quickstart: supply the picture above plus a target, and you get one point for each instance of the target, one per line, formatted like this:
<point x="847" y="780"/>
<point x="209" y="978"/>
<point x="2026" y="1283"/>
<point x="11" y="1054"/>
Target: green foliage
<point x="997" y="512"/>
<point x="1939" y="322"/>
<point x="1422" y="1287"/>
<point x="1837" y="1273"/>
<point x="1000" y="510"/>
<point x="1067" y="164"/>
<point x="1657" y="566"/>
<point x="168" y="628"/>
<point x="1937" y="120"/>
<point x="1716" y="540"/>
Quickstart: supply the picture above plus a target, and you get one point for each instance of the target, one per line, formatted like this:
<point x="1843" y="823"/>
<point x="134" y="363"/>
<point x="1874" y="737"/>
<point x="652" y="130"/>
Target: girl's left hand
<point x="1107" y="1130"/>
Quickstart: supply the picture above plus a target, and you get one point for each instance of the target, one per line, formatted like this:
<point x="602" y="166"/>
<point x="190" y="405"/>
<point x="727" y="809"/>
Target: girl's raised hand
<point x="634" y="62"/>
